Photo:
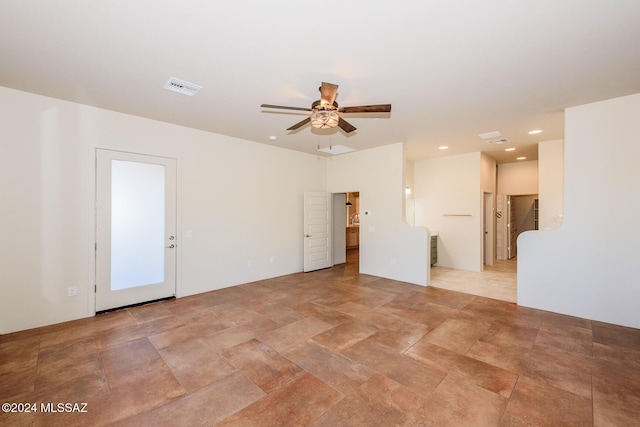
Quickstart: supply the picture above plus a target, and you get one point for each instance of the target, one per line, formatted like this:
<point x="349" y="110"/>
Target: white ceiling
<point x="451" y="69"/>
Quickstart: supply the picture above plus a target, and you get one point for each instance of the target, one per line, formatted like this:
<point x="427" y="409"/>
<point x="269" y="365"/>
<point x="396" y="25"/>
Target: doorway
<point x="331" y="230"/>
<point x="135" y="228"/>
<point x="346" y="234"/>
<point x="353" y="230"/>
<point x="353" y="220"/>
<point x="521" y="216"/>
<point x="488" y="230"/>
<point x="346" y="228"/>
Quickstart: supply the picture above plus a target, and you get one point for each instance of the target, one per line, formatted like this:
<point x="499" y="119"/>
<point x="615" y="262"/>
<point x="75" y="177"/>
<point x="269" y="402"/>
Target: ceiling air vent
<point x="490" y="135"/>
<point x="498" y="141"/>
<point x="180" y="86"/>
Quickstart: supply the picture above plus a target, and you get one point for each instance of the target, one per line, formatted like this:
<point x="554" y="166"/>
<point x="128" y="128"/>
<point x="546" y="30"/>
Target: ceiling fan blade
<point x="328" y="92"/>
<point x="345" y="126"/>
<point x="284" y="107"/>
<point x="300" y="124"/>
<point x="381" y="108"/>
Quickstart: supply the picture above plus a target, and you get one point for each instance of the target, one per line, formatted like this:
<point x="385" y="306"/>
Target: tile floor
<point x="497" y="281"/>
<point x="328" y="348"/>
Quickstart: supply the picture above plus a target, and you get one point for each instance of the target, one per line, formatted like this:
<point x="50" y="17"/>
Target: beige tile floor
<point x="495" y="281"/>
<point x="328" y="348"/>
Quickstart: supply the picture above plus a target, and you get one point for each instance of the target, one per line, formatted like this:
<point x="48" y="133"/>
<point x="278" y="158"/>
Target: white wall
<point x="408" y="177"/>
<point x="409" y="205"/>
<point x="550" y="184"/>
<point x="241" y="200"/>
<point x="488" y="174"/>
<point x="389" y="247"/>
<point x="518" y="178"/>
<point x="339" y="224"/>
<point x="589" y="267"/>
<point x="452" y="186"/>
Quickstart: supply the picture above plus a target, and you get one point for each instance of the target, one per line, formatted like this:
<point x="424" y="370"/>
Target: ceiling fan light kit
<point x="324" y="119"/>
<point x="325" y="112"/>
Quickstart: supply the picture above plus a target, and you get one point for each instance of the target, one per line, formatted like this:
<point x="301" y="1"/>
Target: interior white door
<point x="317" y="230"/>
<point x="135" y="228"/>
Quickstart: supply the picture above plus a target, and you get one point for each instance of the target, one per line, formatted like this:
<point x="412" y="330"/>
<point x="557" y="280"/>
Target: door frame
<point x="512" y="249"/>
<point x="91" y="213"/>
<point x="488" y="230"/>
<point x="340" y="218"/>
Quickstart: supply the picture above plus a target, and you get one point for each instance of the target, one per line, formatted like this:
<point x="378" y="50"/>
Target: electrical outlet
<point x="72" y="291"/>
<point x="272" y="260"/>
<point x="249" y="263"/>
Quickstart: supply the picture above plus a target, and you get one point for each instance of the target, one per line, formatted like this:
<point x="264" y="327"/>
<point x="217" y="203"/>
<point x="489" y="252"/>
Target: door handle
<point x="307" y="235"/>
<point x="171" y="246"/>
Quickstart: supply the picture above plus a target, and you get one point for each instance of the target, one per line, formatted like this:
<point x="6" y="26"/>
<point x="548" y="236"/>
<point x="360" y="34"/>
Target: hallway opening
<point x="497" y="281"/>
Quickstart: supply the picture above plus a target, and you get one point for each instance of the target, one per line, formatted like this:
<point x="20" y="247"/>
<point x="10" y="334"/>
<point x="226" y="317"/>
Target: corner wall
<point x="389" y="247"/>
<point x="589" y="267"/>
<point x="448" y="199"/>
<point x="551" y="184"/>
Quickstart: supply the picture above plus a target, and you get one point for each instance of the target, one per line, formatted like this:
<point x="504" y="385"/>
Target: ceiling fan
<point x="325" y="112"/>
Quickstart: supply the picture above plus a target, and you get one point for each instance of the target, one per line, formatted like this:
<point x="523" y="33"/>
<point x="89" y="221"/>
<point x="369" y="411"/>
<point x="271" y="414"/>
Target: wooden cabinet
<point x="353" y="237"/>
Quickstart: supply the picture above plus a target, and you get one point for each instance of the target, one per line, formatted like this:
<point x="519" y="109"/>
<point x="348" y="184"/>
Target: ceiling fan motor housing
<point x="318" y="105"/>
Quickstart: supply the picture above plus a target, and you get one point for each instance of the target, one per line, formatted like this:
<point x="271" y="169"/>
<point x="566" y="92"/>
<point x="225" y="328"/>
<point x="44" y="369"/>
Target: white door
<point x="317" y="230"/>
<point x="135" y="228"/>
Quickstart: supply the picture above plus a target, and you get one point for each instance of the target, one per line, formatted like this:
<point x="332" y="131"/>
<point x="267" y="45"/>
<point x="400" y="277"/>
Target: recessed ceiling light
<point x="521" y="158"/>
<point x="510" y="149"/>
<point x="533" y="132"/>
<point x="273" y="137"/>
<point x="442" y="147"/>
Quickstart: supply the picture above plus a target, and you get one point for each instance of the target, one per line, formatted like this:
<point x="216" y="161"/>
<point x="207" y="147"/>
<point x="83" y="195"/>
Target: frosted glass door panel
<point x="136" y="241"/>
<point x="137" y="224"/>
